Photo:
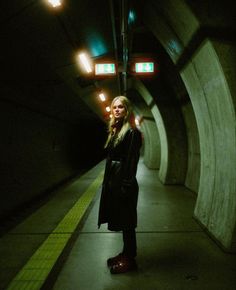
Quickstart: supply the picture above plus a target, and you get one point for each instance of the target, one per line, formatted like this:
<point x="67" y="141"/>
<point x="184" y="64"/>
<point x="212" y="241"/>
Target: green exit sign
<point x="105" y="68"/>
<point x="144" y="67"/>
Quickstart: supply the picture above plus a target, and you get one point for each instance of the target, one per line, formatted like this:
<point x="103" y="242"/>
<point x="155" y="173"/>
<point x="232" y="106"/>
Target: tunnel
<point x="54" y="125"/>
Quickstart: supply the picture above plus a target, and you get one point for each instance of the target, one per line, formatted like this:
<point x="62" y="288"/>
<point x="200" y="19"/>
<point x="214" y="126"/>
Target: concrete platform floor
<point x="174" y="252"/>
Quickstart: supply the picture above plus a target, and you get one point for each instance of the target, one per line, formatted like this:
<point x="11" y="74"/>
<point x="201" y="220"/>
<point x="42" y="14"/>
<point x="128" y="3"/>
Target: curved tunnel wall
<point x="215" y="116"/>
<point x="193" y="166"/>
<point x="207" y="75"/>
<point x="152" y="149"/>
<point x="160" y="127"/>
<point x="151" y="139"/>
<point x="171" y="133"/>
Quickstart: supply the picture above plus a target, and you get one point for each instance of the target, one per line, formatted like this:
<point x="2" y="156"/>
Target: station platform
<point x="59" y="246"/>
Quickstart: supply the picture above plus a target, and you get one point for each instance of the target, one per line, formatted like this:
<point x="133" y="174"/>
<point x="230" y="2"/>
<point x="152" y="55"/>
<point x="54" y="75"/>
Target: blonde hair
<point x="126" y="121"/>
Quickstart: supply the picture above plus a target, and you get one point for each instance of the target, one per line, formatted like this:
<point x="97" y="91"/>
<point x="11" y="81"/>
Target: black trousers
<point x="130" y="244"/>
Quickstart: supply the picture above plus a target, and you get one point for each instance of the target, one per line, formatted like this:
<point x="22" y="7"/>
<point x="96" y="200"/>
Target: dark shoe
<point x="113" y="260"/>
<point x="124" y="265"/>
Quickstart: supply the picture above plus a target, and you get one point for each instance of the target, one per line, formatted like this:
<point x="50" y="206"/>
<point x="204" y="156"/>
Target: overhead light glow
<point x="137" y="123"/>
<point x="144" y="67"/>
<point x="138" y="120"/>
<point x="131" y="17"/>
<point x="108" y="109"/>
<point x="85" y="61"/>
<point x="55" y="3"/>
<point x="102" y="97"/>
<point x="105" y="68"/>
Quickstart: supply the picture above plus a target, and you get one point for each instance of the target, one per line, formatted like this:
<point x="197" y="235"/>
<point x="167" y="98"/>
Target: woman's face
<point x="118" y="110"/>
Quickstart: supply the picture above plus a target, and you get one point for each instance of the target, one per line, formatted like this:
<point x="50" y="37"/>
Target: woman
<point x="118" y="203"/>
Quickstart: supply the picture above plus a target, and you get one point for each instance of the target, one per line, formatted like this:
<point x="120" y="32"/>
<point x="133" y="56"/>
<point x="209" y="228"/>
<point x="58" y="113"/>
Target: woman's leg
<point x="130" y="244"/>
<point x="126" y="261"/>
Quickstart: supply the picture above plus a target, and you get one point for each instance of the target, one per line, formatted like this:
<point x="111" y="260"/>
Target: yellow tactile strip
<point x="36" y="270"/>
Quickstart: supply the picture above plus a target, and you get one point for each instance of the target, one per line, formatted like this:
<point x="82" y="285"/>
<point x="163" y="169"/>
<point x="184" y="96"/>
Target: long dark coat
<point x="118" y="203"/>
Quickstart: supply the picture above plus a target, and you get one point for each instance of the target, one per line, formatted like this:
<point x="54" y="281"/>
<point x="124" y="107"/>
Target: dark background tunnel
<point x="41" y="152"/>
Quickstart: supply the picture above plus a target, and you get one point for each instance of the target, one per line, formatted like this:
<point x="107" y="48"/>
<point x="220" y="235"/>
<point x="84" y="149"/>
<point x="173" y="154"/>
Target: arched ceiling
<point x="39" y="48"/>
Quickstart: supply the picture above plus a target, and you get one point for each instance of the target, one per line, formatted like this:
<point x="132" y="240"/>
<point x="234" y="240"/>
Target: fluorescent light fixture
<point x="102" y="97"/>
<point x="144" y="67"/>
<point x="105" y="68"/>
<point x="85" y="61"/>
<point x="108" y="109"/>
<point x="55" y="3"/>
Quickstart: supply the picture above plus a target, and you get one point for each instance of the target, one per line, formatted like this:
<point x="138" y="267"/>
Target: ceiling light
<point x="85" y="61"/>
<point x="108" y="109"/>
<point x="131" y="17"/>
<point x="55" y="3"/>
<point x="102" y="97"/>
